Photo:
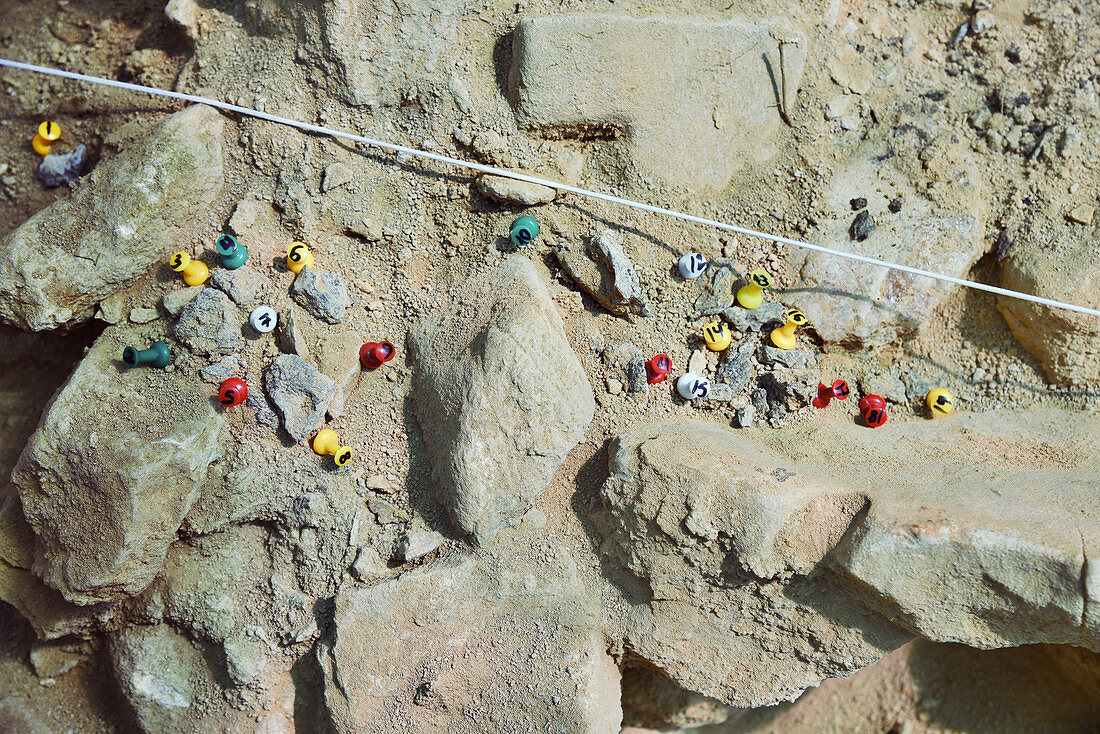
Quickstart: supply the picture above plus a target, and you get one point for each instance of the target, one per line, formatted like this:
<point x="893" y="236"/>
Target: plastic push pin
<point x="940" y="401"/>
<point x="873" y="408"/>
<point x="233" y="392"/>
<point x="784" y="337"/>
<point x="298" y="257"/>
<point x="157" y="355"/>
<point x="327" y="442"/>
<point x="524" y="231"/>
<point x="692" y="265"/>
<point x="657" y="369"/>
<point x="263" y="319"/>
<point x="373" y="355"/>
<point x="48" y="134"/>
<point x="194" y="272"/>
<point x="692" y="386"/>
<point x="233" y="253"/>
<point x="825" y="393"/>
<point x="751" y="295"/>
<point x="717" y="336"/>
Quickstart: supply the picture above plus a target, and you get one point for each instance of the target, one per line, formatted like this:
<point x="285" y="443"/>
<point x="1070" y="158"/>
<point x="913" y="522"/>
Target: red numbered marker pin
<point x="825" y="393"/>
<point x="657" y="369"/>
<point x="873" y="408"/>
<point x="233" y="392"/>
<point x="373" y="355"/>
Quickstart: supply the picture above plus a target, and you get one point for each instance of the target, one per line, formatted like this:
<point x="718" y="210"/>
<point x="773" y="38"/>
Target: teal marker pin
<point x="524" y="230"/>
<point x="233" y="253"/>
<point x="157" y="355"/>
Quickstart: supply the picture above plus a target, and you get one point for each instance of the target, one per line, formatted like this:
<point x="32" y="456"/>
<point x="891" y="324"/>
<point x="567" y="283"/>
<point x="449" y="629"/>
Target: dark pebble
<point x="863" y="226"/>
<point x="895" y="206"/>
<point x="859" y="203"/>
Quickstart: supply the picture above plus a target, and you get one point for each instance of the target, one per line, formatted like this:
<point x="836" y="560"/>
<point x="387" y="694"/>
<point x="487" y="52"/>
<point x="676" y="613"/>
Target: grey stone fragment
<point x="56" y="169"/>
<point x="53" y="658"/>
<point x="228" y="367"/>
<point x="245" y="658"/>
<point x="174" y="301"/>
<point x="745" y="319"/>
<point x="760" y="400"/>
<point x="886" y="385"/>
<point x="111" y="308"/>
<point x="717" y="293"/>
<point x="720" y="392"/>
<point x="155" y="667"/>
<point x="336" y="175"/>
<point x="289" y="336"/>
<point x="736" y="369"/>
<point x="300" y="392"/>
<point x="323" y="295"/>
<point x="417" y="543"/>
<point x="604" y="271"/>
<point x="745" y="416"/>
<point x="368" y="565"/>
<point x="863" y="226"/>
<point x="795" y="358"/>
<point x="241" y="285"/>
<point x="265" y="414"/>
<point x="511" y="191"/>
<point x="210" y="324"/>
<point x="385" y="512"/>
<point x="143" y="315"/>
<point x="786" y="389"/>
<point x="637" y="381"/>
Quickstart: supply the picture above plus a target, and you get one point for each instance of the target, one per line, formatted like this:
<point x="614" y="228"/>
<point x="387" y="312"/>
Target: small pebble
<point x="895" y="205"/>
<point x="858" y="203"/>
<point x="863" y="226"/>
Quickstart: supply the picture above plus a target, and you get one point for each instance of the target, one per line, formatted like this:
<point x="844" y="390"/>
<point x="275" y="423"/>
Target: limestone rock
<point x="155" y="667"/>
<point x="174" y="301"/>
<point x="242" y="285"/>
<point x="124" y="218"/>
<point x="695" y="99"/>
<point x="1066" y="344"/>
<point x="604" y="270"/>
<point x="210" y="324"/>
<point x="856" y="305"/>
<point x="105" y="497"/>
<point x="324" y="295"/>
<point x="417" y="543"/>
<point x="511" y="191"/>
<point x="802" y="530"/>
<point x="387" y="54"/>
<point x="300" y="392"/>
<point x="469" y="645"/>
<point x="717" y="295"/>
<point x="755" y="319"/>
<point x="500" y="395"/>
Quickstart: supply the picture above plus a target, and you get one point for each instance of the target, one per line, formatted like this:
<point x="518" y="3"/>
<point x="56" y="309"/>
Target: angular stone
<point x="324" y="295"/>
<point x="55" y="169"/>
<point x="242" y="285"/>
<point x="993" y="536"/>
<point x="755" y="319"/>
<point x="717" y="293"/>
<point x="695" y="100"/>
<point x="605" y="272"/>
<point x="455" y="631"/>
<point x="156" y="668"/>
<point x="174" y="301"/>
<point x="856" y="305"/>
<point x="417" y="543"/>
<point x="1067" y="344"/>
<point x="511" y="191"/>
<point x="388" y="54"/>
<point x="105" y="497"/>
<point x="123" y="218"/>
<point x="500" y="395"/>
<point x="210" y="324"/>
<point x="300" y="392"/>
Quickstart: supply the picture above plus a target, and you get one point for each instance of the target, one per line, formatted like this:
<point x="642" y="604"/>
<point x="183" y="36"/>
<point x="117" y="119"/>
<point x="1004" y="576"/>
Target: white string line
<point x="544" y="182"/>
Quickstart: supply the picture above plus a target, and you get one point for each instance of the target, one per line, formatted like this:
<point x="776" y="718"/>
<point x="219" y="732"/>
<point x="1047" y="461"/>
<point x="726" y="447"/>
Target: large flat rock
<point x="116" y="463"/>
<point x="469" y="644"/>
<point x="500" y="395"/>
<point x="694" y="99"/>
<point x="782" y="558"/>
<point x="128" y="214"/>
